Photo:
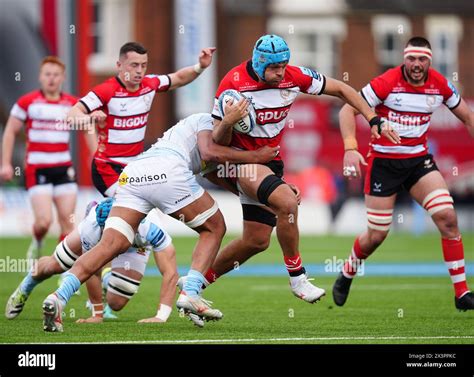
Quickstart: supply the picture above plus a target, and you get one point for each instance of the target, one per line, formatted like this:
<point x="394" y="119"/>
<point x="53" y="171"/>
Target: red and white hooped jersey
<point x="408" y="109"/>
<point x="122" y="138"/>
<point x="272" y="104"/>
<point x="47" y="132"/>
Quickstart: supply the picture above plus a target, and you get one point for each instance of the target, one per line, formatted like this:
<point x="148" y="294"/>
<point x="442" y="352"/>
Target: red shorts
<point x="105" y="174"/>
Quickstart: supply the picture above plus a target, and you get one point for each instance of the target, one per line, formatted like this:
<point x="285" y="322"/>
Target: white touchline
<point x="191" y="341"/>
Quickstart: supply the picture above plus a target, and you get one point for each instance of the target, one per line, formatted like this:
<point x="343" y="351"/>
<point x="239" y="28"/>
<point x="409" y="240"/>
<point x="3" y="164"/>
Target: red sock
<point x="211" y="276"/>
<point x="294" y="265"/>
<point x="453" y="253"/>
<point x="353" y="262"/>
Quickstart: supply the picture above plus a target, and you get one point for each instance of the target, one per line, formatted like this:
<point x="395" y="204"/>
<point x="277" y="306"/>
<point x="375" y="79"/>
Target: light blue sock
<point x="105" y="279"/>
<point x="194" y="283"/>
<point x="28" y="284"/>
<point x="69" y="285"/>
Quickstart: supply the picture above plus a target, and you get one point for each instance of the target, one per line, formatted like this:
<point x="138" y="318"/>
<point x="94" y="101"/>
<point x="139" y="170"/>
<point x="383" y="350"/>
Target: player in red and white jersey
<point x="49" y="174"/>
<point x="121" y="106"/>
<point x="405" y="97"/>
<point x="267" y="201"/>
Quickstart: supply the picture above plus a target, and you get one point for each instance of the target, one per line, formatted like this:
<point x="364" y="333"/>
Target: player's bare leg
<point x="379" y="216"/>
<point x="432" y="193"/>
<point x="41" y="203"/>
<point x="205" y="218"/>
<point x="65" y="205"/>
<point x="117" y="237"/>
<point x="265" y="187"/>
<point x="255" y="239"/>
<point x="41" y="270"/>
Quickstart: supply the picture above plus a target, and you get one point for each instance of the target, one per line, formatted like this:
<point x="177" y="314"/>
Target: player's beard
<point x="417" y="76"/>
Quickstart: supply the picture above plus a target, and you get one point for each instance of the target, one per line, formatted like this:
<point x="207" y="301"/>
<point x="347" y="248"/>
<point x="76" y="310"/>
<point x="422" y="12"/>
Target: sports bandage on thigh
<point x="266" y="188"/>
<point x="122" y="285"/>
<point x="64" y="256"/>
<point x="202" y="217"/>
<point x="379" y="219"/>
<point x="437" y="200"/>
<point x="120" y="225"/>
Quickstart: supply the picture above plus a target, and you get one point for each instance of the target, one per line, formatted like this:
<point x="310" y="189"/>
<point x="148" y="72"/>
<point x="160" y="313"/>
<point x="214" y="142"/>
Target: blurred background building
<point x="350" y="40"/>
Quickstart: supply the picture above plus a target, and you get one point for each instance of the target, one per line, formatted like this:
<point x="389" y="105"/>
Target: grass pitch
<point x="261" y="309"/>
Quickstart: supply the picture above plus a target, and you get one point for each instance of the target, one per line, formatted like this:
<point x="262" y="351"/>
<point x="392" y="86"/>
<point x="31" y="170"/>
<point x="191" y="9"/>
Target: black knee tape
<point x="268" y="185"/>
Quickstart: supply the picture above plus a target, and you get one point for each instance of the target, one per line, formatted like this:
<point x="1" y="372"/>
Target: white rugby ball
<point x="244" y="125"/>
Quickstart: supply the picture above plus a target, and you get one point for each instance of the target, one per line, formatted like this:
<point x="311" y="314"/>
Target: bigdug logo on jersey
<point x="131" y="122"/>
<point x="145" y="179"/>
<point x="271" y="116"/>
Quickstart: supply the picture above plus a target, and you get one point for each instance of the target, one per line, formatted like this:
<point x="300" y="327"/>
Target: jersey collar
<point x="250" y="71"/>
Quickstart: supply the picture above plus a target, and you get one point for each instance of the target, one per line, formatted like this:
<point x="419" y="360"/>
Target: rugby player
<point x="163" y="177"/>
<point x="405" y="96"/>
<point x="119" y="108"/>
<point x="127" y="268"/>
<point x="272" y="85"/>
<point x="49" y="173"/>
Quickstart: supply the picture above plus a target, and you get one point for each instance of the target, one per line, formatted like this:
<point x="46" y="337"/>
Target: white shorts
<point x="53" y="190"/>
<point x="133" y="259"/>
<point x="163" y="181"/>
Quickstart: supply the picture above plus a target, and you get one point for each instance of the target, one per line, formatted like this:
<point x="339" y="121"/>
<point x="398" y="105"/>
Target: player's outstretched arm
<point x="465" y="115"/>
<point x="12" y="128"/>
<point x="188" y="74"/>
<point x="79" y="118"/>
<point x="212" y="152"/>
<point x="94" y="290"/>
<point x="166" y="263"/>
<point x="349" y="95"/>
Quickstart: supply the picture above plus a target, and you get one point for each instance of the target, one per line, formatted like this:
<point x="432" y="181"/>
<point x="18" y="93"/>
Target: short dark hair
<point x="418" y="42"/>
<point x="132" y="46"/>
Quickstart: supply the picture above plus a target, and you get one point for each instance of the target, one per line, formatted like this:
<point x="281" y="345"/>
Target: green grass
<point x="417" y="310"/>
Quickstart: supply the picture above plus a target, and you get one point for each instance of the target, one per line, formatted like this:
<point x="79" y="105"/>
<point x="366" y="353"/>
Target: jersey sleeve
<point x="205" y="123"/>
<point x="310" y="81"/>
<point x="151" y="233"/>
<point x="224" y="85"/>
<point x="376" y="91"/>
<point x="98" y="97"/>
<point x="20" y="108"/>
<point x="161" y="83"/>
<point x="451" y="97"/>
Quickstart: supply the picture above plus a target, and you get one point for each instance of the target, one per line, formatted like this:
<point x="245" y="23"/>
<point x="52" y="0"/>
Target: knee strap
<point x="120" y="225"/>
<point x="122" y="285"/>
<point x="437" y="200"/>
<point x="379" y="219"/>
<point x="202" y="217"/>
<point x="64" y="256"/>
<point x="268" y="185"/>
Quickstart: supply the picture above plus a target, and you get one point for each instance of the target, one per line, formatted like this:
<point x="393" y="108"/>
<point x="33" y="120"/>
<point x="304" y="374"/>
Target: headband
<point x="417" y="51"/>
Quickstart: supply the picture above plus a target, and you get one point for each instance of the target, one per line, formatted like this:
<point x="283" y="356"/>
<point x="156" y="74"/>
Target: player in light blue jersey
<point x="164" y="177"/>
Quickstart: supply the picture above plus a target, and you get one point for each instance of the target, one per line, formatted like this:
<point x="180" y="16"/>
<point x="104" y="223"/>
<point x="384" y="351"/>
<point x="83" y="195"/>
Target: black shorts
<point x="260" y="214"/>
<point x="388" y="176"/>
<point x="57" y="175"/>
<point x="105" y="174"/>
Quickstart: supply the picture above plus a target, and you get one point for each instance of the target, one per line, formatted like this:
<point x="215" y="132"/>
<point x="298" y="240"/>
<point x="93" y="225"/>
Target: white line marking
<point x="192" y="341"/>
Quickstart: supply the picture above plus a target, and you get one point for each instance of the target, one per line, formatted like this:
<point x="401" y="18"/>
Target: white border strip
<point x="248" y="340"/>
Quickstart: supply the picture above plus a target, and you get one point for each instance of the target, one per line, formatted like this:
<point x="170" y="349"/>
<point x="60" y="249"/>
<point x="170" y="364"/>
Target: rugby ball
<point x="244" y="125"/>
